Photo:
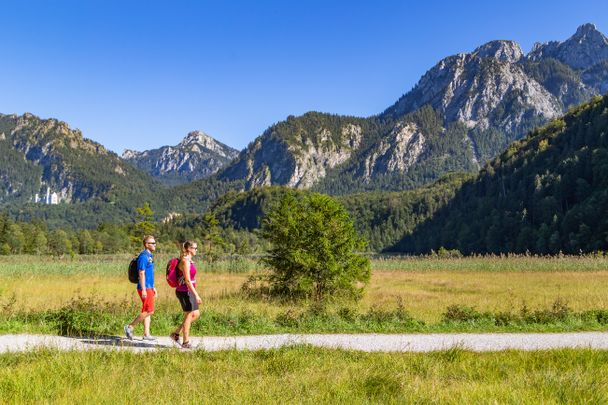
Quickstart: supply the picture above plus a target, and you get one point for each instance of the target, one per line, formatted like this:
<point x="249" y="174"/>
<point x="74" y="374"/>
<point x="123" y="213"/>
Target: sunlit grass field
<point x="305" y="375"/>
<point x="91" y="295"/>
<point x="421" y="287"/>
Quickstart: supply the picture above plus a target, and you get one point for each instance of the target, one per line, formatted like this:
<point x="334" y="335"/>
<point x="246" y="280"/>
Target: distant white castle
<point x="48" y="199"/>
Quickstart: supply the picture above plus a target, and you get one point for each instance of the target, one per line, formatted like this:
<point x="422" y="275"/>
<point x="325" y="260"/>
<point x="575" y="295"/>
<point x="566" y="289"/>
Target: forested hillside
<point x="40" y="153"/>
<point x="383" y="218"/>
<point x="545" y="194"/>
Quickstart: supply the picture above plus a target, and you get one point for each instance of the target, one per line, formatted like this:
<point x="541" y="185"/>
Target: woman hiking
<point x="186" y="293"/>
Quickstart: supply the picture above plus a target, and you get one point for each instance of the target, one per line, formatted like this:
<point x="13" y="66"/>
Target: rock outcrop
<point x="297" y="152"/>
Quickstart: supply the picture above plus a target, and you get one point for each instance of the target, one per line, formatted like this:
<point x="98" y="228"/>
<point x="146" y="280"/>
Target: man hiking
<point x="145" y="288"/>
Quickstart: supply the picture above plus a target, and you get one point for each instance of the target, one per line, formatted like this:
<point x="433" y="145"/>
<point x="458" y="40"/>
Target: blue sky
<point x="142" y="74"/>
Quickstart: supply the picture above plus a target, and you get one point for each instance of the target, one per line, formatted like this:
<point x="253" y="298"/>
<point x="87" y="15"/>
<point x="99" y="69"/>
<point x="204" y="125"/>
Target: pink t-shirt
<point x="182" y="286"/>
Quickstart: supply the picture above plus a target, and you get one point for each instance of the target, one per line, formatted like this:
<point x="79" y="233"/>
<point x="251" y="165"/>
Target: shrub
<point x="398" y="315"/>
<point x="348" y="314"/>
<point x="444" y="253"/>
<point x="87" y="317"/>
<point x="462" y="313"/>
<point x="289" y="318"/>
<point x="598" y="315"/>
<point x="313" y="249"/>
<point x="559" y="312"/>
<point x="504" y="318"/>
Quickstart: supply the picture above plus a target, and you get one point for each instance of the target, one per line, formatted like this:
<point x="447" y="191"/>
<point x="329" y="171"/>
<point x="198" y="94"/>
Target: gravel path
<point x="364" y="342"/>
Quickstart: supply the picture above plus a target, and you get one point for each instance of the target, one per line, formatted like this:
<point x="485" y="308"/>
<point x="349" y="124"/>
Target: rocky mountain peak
<point x="470" y="88"/>
<point x="199" y="141"/>
<point x="130" y="154"/>
<point x="506" y="51"/>
<point x="586" y="30"/>
<point x="198" y="155"/>
<point x="584" y="49"/>
<point x="197" y="137"/>
<point x="299" y="151"/>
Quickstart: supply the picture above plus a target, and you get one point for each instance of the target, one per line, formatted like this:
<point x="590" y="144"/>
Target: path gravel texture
<point x="486" y="342"/>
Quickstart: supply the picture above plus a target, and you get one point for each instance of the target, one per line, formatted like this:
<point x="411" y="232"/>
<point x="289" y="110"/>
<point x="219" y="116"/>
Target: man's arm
<point x="142" y="283"/>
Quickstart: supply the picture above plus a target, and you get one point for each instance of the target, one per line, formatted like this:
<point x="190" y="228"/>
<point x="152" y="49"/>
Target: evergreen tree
<point x="15" y="239"/>
<point x="313" y="248"/>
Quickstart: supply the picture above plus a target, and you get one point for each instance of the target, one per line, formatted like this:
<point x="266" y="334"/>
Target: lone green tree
<point x="314" y="249"/>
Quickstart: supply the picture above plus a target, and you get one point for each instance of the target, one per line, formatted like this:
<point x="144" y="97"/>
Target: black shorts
<point x="187" y="300"/>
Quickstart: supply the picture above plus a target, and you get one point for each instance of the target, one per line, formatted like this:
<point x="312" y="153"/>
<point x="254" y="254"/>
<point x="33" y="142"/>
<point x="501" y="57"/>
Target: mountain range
<point x="463" y="112"/>
<point x="545" y="194"/>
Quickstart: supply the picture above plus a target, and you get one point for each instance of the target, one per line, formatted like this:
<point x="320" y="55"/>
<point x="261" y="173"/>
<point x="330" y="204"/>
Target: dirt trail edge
<point x="484" y="342"/>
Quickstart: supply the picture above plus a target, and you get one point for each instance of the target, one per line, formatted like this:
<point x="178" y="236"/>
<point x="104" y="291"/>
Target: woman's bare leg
<point x="185" y="326"/>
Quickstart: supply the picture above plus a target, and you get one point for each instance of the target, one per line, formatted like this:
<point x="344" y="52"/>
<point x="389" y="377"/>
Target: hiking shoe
<point x="149" y="338"/>
<point x="175" y="338"/>
<point x="128" y="332"/>
<point x="186" y="345"/>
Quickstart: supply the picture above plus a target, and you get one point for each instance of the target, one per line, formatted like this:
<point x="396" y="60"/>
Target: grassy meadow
<point x="91" y="295"/>
<point x="305" y="375"/>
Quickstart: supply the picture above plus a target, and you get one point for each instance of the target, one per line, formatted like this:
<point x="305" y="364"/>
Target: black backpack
<point x="133" y="273"/>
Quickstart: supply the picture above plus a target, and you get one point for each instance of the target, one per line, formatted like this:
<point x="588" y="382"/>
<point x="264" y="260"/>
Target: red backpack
<point x="172" y="273"/>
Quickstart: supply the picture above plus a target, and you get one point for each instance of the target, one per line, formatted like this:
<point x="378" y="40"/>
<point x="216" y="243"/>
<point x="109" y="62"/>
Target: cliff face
<point x="395" y="153"/>
<point x="485" y="89"/>
<point x="297" y="152"/>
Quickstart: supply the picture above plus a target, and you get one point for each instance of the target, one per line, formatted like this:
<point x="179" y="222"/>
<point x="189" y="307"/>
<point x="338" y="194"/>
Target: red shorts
<point x="148" y="302"/>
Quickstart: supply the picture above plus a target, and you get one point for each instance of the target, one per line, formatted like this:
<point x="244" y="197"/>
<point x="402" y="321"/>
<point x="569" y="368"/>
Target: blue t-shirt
<point x="145" y="262"/>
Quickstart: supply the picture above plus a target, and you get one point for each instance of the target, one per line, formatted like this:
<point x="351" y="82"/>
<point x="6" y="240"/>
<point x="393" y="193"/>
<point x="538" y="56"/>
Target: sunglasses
<point x="151" y="243"/>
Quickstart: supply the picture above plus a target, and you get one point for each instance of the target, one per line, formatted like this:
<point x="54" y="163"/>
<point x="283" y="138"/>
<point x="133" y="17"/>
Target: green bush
<point x="87" y="317"/>
<point x="313" y="249"/>
<point x="463" y="313"/>
<point x="559" y="312"/>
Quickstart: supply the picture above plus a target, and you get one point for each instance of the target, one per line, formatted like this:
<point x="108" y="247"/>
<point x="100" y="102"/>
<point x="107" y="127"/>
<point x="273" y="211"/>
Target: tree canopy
<point x="314" y="248"/>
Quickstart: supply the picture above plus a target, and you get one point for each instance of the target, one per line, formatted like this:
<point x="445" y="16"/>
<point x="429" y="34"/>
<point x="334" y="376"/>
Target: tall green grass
<point x="108" y="265"/>
<point x="493" y="263"/>
<point x="305" y="375"/>
<point x="117" y="264"/>
<point x="91" y="295"/>
<point x="90" y="317"/>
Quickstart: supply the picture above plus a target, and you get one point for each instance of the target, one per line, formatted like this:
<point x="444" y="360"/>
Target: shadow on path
<point x="118" y="341"/>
